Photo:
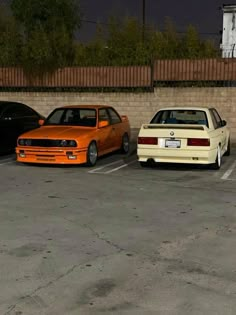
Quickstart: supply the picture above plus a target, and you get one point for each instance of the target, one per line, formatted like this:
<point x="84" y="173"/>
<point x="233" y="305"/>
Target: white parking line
<point x="102" y="167"/>
<point x="229" y="171"/>
<point x="119" y="167"/>
<point x="6" y="162"/>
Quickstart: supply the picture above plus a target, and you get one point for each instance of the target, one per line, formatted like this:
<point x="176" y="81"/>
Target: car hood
<point x="57" y="132"/>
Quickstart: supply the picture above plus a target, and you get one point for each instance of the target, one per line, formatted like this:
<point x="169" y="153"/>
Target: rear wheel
<point x="125" y="144"/>
<point x="148" y="163"/>
<point x="92" y="154"/>
<point x="227" y="153"/>
<point x="144" y="164"/>
<point x="217" y="164"/>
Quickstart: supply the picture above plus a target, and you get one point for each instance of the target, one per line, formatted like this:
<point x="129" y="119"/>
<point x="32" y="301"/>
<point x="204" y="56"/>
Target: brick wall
<point x="140" y="107"/>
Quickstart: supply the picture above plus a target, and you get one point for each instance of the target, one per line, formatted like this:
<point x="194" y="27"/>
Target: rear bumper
<point x="206" y="156"/>
<point x="50" y="156"/>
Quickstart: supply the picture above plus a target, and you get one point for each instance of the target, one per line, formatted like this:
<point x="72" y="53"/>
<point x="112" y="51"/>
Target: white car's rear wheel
<point x="217" y="164"/>
<point x="148" y="163"/>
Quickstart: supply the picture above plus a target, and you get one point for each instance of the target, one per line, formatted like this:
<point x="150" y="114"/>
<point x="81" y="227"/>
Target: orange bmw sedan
<point x="75" y="135"/>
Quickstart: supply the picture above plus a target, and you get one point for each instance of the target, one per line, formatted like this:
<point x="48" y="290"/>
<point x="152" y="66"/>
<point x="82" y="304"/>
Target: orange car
<point x="75" y="135"/>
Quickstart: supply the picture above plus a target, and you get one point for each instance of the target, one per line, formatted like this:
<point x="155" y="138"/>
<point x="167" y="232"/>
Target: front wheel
<point x="217" y="164"/>
<point x="92" y="154"/>
<point x="125" y="144"/>
<point x="227" y="153"/>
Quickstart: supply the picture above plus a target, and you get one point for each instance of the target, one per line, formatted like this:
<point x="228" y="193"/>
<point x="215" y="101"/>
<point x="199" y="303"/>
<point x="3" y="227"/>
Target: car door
<point x="8" y="129"/>
<point x="220" y="128"/>
<point x="116" y="127"/>
<point x="105" y="142"/>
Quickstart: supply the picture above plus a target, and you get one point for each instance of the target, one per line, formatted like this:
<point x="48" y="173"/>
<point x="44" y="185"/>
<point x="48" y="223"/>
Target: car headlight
<point x="28" y="142"/>
<point x="21" y="142"/>
<point x="25" y="142"/>
<point x="68" y="143"/>
<point x="72" y="143"/>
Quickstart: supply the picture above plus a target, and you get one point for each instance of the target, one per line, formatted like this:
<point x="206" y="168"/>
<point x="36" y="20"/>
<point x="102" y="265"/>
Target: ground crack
<point x="12" y="307"/>
<point x="98" y="236"/>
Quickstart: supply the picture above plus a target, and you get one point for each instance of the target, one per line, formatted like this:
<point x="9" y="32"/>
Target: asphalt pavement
<point x="117" y="238"/>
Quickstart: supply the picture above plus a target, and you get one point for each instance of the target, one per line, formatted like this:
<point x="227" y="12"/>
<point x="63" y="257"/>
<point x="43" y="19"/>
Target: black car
<point x="15" y="119"/>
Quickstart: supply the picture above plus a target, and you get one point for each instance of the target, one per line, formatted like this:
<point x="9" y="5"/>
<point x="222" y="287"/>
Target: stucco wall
<point x="140" y="107"/>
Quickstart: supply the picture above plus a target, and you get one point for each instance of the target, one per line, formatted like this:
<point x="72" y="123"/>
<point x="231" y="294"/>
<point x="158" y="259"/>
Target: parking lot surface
<point x="117" y="238"/>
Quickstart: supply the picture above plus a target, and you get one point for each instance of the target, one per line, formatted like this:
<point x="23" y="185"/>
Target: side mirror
<point x="124" y="118"/>
<point x="223" y="123"/>
<point x="103" y="123"/>
<point x="41" y="122"/>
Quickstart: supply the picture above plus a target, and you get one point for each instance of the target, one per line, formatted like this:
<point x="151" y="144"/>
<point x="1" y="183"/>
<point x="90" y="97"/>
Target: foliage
<point x="40" y="36"/>
<point x="48" y="28"/>
<point x="122" y="44"/>
<point x="10" y="40"/>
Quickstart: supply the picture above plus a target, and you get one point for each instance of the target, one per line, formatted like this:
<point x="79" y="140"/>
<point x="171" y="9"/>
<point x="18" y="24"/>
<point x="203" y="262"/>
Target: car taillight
<point x="198" y="142"/>
<point x="147" y="140"/>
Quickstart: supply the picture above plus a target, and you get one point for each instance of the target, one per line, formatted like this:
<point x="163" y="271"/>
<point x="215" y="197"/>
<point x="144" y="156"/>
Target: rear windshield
<point x="83" y="117"/>
<point x="185" y="116"/>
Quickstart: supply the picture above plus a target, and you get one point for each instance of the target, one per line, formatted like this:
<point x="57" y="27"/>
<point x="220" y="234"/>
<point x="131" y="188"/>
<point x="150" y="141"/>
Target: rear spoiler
<point x="174" y="126"/>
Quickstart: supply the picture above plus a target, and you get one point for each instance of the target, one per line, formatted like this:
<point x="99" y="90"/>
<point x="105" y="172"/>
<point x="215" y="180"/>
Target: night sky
<point x="203" y="14"/>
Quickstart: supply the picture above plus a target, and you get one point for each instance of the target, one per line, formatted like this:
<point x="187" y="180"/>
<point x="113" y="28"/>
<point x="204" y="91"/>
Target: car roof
<point x="86" y="106"/>
<point x="186" y="108"/>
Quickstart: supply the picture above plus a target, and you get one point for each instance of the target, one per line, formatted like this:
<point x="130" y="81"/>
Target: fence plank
<point x="133" y="76"/>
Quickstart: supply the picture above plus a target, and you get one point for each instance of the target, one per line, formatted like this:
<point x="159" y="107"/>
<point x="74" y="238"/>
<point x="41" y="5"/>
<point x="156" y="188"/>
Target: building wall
<point x="140" y="107"/>
<point x="229" y="31"/>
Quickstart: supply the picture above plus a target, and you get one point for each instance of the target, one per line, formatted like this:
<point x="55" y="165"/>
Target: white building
<point x="228" y="44"/>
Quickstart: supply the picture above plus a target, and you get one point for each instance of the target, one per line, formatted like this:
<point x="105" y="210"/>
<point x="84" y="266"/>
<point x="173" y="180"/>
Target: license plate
<point x="173" y="143"/>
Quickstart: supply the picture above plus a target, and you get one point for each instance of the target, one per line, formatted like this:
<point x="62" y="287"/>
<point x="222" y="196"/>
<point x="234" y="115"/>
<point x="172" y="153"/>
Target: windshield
<point x="83" y="117"/>
<point x="196" y="117"/>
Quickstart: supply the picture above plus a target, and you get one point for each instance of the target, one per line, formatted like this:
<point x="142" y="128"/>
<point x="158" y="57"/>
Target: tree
<point x="122" y="44"/>
<point x="170" y="40"/>
<point x="10" y="40"/>
<point x="48" y="28"/>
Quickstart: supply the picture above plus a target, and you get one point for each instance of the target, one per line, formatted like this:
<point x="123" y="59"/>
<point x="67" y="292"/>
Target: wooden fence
<point x="125" y="77"/>
<point x="195" y="70"/>
<point x="82" y="77"/>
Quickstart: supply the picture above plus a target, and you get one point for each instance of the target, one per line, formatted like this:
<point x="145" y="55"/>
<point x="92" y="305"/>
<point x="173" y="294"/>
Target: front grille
<point x="45" y="143"/>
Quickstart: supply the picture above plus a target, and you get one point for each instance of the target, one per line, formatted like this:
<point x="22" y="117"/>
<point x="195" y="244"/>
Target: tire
<point x="92" y="154"/>
<point x="217" y="164"/>
<point x="144" y="164"/>
<point x="125" y="145"/>
<point x="227" y="153"/>
<point x="149" y="163"/>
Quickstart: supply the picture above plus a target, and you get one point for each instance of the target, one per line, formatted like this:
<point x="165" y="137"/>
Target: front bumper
<point x="51" y="156"/>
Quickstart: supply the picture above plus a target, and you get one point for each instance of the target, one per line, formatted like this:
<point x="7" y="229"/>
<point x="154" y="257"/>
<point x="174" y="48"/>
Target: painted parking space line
<point x="229" y="171"/>
<point x="6" y="162"/>
<point x="119" y="167"/>
<point x="97" y="170"/>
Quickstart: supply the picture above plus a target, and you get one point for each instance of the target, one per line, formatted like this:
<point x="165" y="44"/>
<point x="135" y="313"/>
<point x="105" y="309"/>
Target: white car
<point x="184" y="135"/>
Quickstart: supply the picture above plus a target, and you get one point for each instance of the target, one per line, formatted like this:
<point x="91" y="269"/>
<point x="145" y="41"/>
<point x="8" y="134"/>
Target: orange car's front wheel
<point x="125" y="144"/>
<point x="92" y="154"/>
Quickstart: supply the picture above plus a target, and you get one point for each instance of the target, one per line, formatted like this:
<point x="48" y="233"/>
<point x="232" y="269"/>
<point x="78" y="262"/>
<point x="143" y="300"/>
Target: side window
<point x="103" y="115"/>
<point x="115" y="119"/>
<point x="18" y="111"/>
<point x="217" y="118"/>
<point x="213" y="119"/>
<point x="12" y="112"/>
<point x="26" y="111"/>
